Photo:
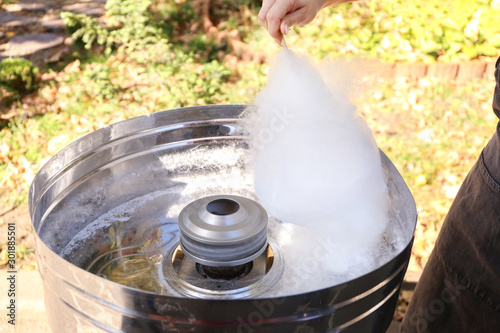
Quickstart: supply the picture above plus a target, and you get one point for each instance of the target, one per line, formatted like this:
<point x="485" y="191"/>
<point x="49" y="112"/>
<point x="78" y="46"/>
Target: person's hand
<point x="277" y="16"/>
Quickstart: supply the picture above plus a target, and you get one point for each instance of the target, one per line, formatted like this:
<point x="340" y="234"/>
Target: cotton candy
<point x="315" y="161"/>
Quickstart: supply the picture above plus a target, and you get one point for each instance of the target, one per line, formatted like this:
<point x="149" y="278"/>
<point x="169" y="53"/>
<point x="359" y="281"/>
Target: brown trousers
<point x="459" y="290"/>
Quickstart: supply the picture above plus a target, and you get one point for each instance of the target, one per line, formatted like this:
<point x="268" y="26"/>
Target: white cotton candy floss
<point x="316" y="164"/>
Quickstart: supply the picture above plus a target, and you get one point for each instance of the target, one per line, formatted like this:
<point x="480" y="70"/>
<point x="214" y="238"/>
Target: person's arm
<point x="277" y="16"/>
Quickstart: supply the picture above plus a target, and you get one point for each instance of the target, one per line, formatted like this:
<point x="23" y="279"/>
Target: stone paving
<point x="34" y="29"/>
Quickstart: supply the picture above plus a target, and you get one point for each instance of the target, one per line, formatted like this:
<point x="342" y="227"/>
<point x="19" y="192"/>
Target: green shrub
<point x="186" y="75"/>
<point x="88" y="30"/>
<point x="18" y="76"/>
<point x="199" y="84"/>
<point x="99" y="85"/>
<point x="130" y="27"/>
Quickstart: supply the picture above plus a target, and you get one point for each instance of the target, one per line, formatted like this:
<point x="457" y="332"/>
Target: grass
<point x="432" y="130"/>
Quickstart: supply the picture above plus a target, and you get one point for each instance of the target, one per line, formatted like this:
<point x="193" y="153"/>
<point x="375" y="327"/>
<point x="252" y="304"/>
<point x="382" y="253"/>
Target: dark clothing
<point x="459" y="290"/>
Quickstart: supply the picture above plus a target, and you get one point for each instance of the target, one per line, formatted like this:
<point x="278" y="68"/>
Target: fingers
<point x="272" y="16"/>
<point x="301" y="16"/>
<point x="277" y="16"/>
<point x="290" y="20"/>
<point x="285" y="27"/>
<point x="262" y="17"/>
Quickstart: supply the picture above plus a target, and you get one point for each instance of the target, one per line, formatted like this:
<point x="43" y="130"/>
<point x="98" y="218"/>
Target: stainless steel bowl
<point x="129" y="179"/>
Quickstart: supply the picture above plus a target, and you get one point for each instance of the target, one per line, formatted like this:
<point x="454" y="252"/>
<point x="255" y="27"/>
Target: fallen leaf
<point x="55" y="144"/>
<point x="421" y="180"/>
<point x="4" y="152"/>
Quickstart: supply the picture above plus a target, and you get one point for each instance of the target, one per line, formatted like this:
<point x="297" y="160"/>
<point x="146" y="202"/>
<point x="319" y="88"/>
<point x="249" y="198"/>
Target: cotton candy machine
<point x="152" y="225"/>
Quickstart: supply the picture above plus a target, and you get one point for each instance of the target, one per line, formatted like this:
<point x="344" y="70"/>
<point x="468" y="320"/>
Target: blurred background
<point x="70" y="67"/>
